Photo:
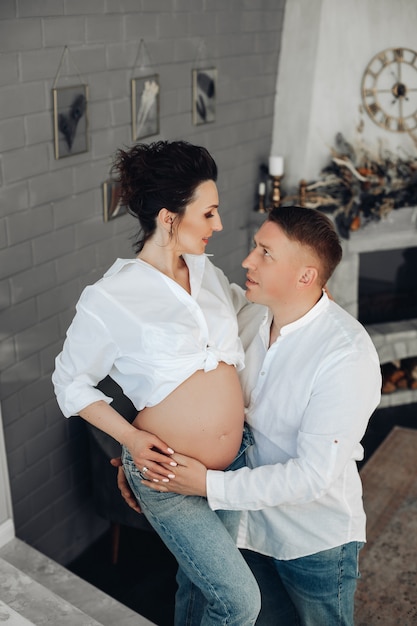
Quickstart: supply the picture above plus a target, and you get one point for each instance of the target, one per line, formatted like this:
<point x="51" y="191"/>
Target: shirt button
<point x="262" y="373"/>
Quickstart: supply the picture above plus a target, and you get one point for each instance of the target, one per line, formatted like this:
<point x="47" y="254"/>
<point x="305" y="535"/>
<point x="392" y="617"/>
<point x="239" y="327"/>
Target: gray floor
<point x="34" y="590"/>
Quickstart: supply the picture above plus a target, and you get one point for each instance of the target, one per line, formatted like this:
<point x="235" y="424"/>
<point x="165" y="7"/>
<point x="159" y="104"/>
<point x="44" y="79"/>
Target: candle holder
<point x="303" y="192"/>
<point x="261" y="203"/>
<point x="276" y="192"/>
<point x="260" y="207"/>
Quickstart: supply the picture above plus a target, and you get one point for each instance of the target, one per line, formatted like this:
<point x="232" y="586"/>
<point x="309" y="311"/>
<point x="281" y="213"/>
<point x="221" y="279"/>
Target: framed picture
<point x="70" y="120"/>
<point x="145" y="106"/>
<point x="112" y="205"/>
<point x="204" y="95"/>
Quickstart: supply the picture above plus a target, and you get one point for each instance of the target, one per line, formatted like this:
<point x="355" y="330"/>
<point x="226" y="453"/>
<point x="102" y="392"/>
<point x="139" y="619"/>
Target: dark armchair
<point x="108" y="501"/>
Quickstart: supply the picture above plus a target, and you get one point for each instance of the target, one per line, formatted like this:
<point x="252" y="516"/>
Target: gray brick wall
<point x="53" y="240"/>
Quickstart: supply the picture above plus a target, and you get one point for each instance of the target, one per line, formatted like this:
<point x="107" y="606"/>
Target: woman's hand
<point x="146" y="449"/>
<point x="188" y="477"/>
<point x="151" y="455"/>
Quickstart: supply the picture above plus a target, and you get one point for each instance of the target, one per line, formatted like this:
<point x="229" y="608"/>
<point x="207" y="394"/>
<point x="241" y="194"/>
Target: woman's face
<point x="200" y="220"/>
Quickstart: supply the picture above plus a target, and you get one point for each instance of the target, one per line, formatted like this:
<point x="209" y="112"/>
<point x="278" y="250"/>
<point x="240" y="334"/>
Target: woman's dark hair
<point x="311" y="228"/>
<point x="160" y="175"/>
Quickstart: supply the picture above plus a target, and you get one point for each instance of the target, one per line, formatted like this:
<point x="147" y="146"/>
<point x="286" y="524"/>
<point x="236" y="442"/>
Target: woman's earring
<point x="170" y="230"/>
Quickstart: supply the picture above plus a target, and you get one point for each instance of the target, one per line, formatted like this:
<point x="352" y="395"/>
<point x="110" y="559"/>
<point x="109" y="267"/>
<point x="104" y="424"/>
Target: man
<point x="311" y="382"/>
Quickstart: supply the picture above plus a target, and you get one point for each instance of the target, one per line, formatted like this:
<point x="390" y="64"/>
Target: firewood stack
<point x="400" y="374"/>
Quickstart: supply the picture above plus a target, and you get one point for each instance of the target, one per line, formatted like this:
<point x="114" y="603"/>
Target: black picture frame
<point x="145" y="106"/>
<point x="112" y="205"/>
<point x="70" y="105"/>
<point x="204" y="93"/>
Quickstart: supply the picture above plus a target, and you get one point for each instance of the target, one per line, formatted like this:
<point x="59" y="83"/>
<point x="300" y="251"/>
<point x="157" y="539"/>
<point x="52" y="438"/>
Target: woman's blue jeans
<point x="314" y="590"/>
<point x="215" y="585"/>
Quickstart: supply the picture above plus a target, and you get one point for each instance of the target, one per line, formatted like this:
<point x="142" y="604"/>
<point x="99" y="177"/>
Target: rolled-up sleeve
<point x="87" y="357"/>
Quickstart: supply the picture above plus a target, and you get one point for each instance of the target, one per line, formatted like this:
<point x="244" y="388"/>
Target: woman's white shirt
<point x="147" y="332"/>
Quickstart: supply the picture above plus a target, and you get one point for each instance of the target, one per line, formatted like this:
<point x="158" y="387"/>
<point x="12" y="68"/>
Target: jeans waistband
<point x="247" y="439"/>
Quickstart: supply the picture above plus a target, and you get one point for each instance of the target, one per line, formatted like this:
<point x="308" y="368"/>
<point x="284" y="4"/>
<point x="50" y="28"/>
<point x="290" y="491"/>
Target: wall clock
<point x="389" y="89"/>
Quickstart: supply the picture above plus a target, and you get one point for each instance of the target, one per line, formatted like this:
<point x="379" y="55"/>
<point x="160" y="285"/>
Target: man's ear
<point x="308" y="276"/>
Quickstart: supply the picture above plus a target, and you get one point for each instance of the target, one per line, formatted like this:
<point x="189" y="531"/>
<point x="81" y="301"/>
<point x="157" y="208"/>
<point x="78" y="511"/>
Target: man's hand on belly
<point x="125" y="490"/>
<point x="187" y="478"/>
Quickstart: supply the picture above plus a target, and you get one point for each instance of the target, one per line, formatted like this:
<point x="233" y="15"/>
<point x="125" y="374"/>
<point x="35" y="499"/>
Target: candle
<point x="261" y="189"/>
<point x="276" y="165"/>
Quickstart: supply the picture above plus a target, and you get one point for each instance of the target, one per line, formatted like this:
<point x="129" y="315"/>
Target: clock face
<point x="389" y="89"/>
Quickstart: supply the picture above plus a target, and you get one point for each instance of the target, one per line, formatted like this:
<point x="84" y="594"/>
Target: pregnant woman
<point x="163" y="326"/>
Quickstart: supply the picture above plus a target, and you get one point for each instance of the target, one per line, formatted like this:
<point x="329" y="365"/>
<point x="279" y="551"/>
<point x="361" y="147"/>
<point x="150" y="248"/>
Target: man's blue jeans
<point x="203" y="542"/>
<point x="315" y="590"/>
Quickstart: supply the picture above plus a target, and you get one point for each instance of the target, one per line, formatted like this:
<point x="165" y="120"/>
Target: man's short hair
<point x="314" y="229"/>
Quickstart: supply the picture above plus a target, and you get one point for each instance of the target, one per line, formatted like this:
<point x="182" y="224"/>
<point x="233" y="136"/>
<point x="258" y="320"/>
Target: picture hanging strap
<point x="64" y="54"/>
<point x="201" y="56"/>
<point x="143" y="58"/>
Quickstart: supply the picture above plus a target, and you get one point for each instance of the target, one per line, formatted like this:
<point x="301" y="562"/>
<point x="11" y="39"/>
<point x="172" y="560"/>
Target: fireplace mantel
<point x="393" y="340"/>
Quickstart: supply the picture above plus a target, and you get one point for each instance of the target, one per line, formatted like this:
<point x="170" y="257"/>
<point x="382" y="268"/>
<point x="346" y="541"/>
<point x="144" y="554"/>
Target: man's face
<point x="274" y="267"/>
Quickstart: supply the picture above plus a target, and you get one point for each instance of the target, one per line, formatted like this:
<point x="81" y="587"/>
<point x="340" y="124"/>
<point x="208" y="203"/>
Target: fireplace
<point x="387" y="288"/>
<point x="393" y="338"/>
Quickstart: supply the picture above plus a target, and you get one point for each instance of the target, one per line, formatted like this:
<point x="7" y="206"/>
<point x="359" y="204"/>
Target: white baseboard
<point x="7" y="532"/>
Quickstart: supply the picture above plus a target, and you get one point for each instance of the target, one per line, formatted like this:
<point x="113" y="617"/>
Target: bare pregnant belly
<point x="202" y="418"/>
